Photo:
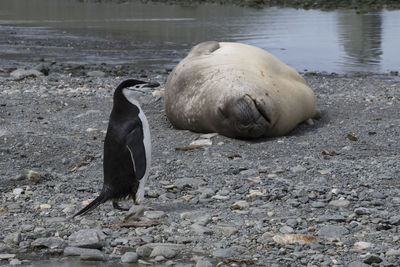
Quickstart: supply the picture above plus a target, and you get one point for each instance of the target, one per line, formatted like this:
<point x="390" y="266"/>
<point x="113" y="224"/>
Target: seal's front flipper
<point x="204" y="48"/>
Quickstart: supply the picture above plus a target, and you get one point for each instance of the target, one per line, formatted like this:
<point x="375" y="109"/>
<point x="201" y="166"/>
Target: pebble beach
<point x="327" y="194"/>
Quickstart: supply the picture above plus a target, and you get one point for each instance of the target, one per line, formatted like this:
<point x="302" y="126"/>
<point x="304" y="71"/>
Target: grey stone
<point x="86" y="238"/>
<point x="49" y="242"/>
<point x="286" y="229"/>
<point x="357" y="264"/>
<point x="198" y="217"/>
<point x="96" y="73"/>
<point x="144" y="251"/>
<point x="223" y="253"/>
<point x="332" y="231"/>
<point x="226" y="229"/>
<point x="13" y="239"/>
<point x="14" y="262"/>
<point x="292" y="222"/>
<point x="362" y="211"/>
<point x="318" y="204"/>
<point x="6" y="256"/>
<point x="130" y="257"/>
<point x="340" y="203"/>
<point x="203" y="263"/>
<point x="92" y="255"/>
<point x="298" y="169"/>
<point x="154" y="214"/>
<point x="199" y="229"/>
<point x="74" y="251"/>
<point x="395" y="220"/>
<point x="165" y="251"/>
<point x="20" y="74"/>
<point x="393" y="252"/>
<point x="187" y="182"/>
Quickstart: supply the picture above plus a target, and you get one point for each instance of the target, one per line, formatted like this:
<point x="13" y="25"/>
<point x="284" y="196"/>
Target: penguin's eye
<point x="137" y="86"/>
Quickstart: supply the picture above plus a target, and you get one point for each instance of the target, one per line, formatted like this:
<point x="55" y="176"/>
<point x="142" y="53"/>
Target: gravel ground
<point x="325" y="195"/>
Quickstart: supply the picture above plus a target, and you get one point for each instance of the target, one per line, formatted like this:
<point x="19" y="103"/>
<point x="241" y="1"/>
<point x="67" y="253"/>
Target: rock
<point x="208" y="136"/>
<point x="393" y="252"/>
<point x="204" y="263"/>
<point x="154" y="214"/>
<point x="86" y="238"/>
<point x="129" y="257"/>
<point x="34" y="176"/>
<point x="395" y="220"/>
<point x="144" y="251"/>
<point x="42" y="68"/>
<point x="17" y="192"/>
<point x="362" y="245"/>
<point x="293" y="239"/>
<point x="198" y="217"/>
<point x="340" y="203"/>
<point x="223" y="253"/>
<point x="362" y="211"/>
<point x="286" y="229"/>
<point x="333" y="231"/>
<point x="298" y="169"/>
<point x="45" y="206"/>
<point x="240" y="205"/>
<point x="201" y="142"/>
<point x="20" y="74"/>
<point x="13" y="239"/>
<point x="164" y="251"/>
<point x="255" y="193"/>
<point x="6" y="256"/>
<point x="201" y="230"/>
<point x="318" y="204"/>
<point x="357" y="264"/>
<point x="372" y="259"/>
<point x="74" y="251"/>
<point x="226" y="229"/>
<point x="14" y="262"/>
<point x="96" y="73"/>
<point x="92" y="255"/>
<point x="49" y="242"/>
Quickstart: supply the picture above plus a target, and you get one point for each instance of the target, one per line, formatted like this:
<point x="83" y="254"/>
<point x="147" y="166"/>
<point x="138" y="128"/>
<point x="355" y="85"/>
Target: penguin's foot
<point x="119" y="207"/>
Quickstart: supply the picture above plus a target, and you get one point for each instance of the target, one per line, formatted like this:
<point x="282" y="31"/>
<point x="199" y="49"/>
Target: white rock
<point x="201" y="142"/>
<point x="154" y="214"/>
<point x="44" y="206"/>
<point x="6" y="256"/>
<point x="240" y="205"/>
<point x="208" y="136"/>
<point x="17" y="192"/>
<point x="362" y="245"/>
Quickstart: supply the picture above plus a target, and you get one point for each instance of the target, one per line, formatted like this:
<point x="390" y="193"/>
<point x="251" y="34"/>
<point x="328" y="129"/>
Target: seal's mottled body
<point x="237" y="90"/>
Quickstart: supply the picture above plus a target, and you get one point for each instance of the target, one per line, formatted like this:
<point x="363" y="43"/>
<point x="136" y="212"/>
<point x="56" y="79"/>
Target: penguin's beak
<point x="143" y="86"/>
<point x="151" y="84"/>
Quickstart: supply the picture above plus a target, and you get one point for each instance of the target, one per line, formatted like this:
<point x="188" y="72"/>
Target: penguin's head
<point x="132" y="89"/>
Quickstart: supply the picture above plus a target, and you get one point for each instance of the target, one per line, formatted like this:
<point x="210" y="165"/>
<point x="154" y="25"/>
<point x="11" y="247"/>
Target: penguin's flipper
<point x="135" y="145"/>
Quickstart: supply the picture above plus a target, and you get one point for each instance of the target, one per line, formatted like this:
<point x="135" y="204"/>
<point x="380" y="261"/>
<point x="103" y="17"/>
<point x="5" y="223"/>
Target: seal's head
<point x="244" y="117"/>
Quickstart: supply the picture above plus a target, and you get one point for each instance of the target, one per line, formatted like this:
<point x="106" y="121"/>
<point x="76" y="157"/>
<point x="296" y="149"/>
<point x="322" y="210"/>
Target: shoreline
<point x="302" y="4"/>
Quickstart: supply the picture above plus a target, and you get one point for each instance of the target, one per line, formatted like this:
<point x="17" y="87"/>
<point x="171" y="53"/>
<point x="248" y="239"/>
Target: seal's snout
<point x="247" y="116"/>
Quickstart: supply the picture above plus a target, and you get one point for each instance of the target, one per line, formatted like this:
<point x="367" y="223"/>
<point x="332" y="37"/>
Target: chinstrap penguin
<point x="127" y="149"/>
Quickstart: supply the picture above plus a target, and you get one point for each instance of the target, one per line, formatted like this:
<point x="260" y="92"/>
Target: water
<point x="157" y="36"/>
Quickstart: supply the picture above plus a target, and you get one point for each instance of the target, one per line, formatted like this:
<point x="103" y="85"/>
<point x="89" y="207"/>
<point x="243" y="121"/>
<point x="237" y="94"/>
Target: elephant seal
<point x="236" y="90"/>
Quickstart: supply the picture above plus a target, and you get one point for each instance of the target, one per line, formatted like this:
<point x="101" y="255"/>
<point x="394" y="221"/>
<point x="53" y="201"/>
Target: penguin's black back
<point x="124" y="161"/>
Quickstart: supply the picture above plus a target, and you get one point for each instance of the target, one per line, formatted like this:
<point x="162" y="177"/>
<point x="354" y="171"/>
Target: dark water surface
<point x="157" y="36"/>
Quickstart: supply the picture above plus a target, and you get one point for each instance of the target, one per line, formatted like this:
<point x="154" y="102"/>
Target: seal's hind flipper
<point x="204" y="48"/>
